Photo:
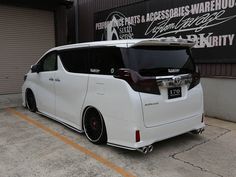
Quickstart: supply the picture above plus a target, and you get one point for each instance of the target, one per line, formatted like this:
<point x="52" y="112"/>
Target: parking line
<point x="71" y="143"/>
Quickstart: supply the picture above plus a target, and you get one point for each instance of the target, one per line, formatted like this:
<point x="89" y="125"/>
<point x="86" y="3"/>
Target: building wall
<point x="218" y="70"/>
<point x="61" y="31"/>
<point x="25" y="34"/>
<point x="219" y="98"/>
<point x="86" y="10"/>
<point x="27" y="30"/>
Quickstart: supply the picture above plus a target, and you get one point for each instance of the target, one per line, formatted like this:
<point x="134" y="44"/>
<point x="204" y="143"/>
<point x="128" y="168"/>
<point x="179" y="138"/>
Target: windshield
<point x="152" y="61"/>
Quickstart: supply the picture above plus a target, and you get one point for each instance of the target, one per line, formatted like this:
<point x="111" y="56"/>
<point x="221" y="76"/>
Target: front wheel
<point x="30" y="101"/>
<point x="94" y="126"/>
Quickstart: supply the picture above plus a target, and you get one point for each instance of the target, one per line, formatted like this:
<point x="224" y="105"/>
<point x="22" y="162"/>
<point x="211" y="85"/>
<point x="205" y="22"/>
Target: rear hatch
<point x="171" y="71"/>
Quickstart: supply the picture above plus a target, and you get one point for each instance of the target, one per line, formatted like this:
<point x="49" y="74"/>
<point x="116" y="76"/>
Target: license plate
<point x="174" y="92"/>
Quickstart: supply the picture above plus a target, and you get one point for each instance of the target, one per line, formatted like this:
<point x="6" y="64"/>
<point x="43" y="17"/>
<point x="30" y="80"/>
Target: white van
<point x="126" y="93"/>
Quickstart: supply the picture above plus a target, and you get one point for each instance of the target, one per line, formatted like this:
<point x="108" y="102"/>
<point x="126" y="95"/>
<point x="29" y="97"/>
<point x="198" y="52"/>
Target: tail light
<point x="137" y="135"/>
<point x="195" y="80"/>
<point x="137" y="82"/>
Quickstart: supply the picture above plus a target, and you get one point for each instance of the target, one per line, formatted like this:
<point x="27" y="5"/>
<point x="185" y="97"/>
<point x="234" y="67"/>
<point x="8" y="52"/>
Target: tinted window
<point x="49" y="62"/>
<point x="149" y="61"/>
<point x="106" y="60"/>
<point x="75" y="61"/>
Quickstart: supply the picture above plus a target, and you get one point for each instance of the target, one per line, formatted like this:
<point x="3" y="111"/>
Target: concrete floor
<point x="11" y="100"/>
<point x="28" y="151"/>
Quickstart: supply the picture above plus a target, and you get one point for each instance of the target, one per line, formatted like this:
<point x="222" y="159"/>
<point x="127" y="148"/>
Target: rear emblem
<point x="177" y="80"/>
<point x="173" y="70"/>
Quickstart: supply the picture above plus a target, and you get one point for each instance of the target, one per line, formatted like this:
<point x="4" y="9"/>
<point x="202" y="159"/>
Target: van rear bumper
<point x="158" y="133"/>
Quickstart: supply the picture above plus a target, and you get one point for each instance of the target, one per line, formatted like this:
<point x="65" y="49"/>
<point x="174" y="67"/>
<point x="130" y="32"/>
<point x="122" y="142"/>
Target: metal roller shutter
<point x="25" y="34"/>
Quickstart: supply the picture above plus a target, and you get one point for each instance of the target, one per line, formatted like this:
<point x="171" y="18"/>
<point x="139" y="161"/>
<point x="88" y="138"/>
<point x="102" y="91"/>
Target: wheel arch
<point x="103" y="136"/>
<point x="91" y="107"/>
<point x="27" y="90"/>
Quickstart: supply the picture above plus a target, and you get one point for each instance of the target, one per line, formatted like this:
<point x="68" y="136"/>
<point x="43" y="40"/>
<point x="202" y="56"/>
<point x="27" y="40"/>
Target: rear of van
<point x="169" y="88"/>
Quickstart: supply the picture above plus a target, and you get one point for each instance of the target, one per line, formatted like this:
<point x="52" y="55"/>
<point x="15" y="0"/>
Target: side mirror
<point x="35" y="69"/>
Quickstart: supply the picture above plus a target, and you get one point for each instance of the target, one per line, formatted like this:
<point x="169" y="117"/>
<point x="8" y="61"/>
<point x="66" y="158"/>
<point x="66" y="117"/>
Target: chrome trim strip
<point x="174" y="80"/>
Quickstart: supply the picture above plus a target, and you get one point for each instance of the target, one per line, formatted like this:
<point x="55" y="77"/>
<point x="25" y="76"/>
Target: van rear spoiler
<point x="177" y="42"/>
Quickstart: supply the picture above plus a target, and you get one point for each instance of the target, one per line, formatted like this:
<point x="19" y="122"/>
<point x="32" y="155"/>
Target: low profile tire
<point x="94" y="126"/>
<point x="30" y="101"/>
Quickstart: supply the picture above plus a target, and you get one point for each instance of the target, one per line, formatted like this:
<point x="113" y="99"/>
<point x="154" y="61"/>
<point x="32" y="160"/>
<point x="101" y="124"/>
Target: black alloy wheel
<point x="30" y="101"/>
<point x="94" y="126"/>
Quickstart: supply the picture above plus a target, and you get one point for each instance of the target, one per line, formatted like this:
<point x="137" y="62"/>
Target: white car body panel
<point x="159" y="110"/>
<point x="123" y="109"/>
<point x="122" y="118"/>
<point x="70" y="93"/>
<point x="44" y="91"/>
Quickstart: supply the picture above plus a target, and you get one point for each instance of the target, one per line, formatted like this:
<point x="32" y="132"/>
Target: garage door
<point x="25" y="34"/>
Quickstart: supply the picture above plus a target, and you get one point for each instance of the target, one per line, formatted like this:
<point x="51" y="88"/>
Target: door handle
<point x="51" y="79"/>
<point x="57" y="80"/>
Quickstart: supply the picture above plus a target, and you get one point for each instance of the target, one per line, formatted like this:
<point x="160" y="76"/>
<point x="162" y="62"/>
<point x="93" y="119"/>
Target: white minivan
<point x="126" y="93"/>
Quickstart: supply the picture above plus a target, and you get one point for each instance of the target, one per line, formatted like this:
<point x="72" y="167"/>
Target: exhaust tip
<point x="146" y="149"/>
<point x="198" y="131"/>
<point x="150" y="148"/>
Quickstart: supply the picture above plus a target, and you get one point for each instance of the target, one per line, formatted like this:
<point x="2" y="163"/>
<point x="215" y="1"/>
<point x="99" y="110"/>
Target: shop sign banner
<point x="211" y="24"/>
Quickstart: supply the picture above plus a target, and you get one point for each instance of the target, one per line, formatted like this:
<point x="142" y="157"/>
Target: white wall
<point x="220" y="98"/>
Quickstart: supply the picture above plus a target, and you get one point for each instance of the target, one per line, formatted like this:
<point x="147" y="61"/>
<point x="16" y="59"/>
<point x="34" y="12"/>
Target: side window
<point x="75" y="61"/>
<point x="49" y="62"/>
<point x="106" y="60"/>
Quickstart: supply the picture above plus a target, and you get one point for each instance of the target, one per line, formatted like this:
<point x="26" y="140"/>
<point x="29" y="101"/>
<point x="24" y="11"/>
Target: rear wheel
<point x="94" y="126"/>
<point x="30" y="101"/>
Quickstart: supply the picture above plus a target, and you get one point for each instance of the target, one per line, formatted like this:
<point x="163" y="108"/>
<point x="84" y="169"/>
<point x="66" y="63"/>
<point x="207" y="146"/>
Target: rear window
<point x="150" y="61"/>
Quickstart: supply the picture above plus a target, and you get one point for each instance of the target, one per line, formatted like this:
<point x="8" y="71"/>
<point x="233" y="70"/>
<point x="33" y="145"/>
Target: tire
<point x="94" y="126"/>
<point x="30" y="101"/>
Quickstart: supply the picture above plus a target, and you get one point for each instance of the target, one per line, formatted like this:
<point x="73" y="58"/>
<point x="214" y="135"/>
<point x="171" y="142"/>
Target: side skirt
<point x="120" y="146"/>
<point x="61" y="122"/>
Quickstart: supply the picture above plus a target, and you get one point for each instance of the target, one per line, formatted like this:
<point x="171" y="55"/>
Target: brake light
<point x="137" y="82"/>
<point x="137" y="135"/>
<point x="195" y="80"/>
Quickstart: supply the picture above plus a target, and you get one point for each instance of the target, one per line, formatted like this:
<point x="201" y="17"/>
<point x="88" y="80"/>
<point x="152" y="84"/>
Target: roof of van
<point x="131" y="43"/>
